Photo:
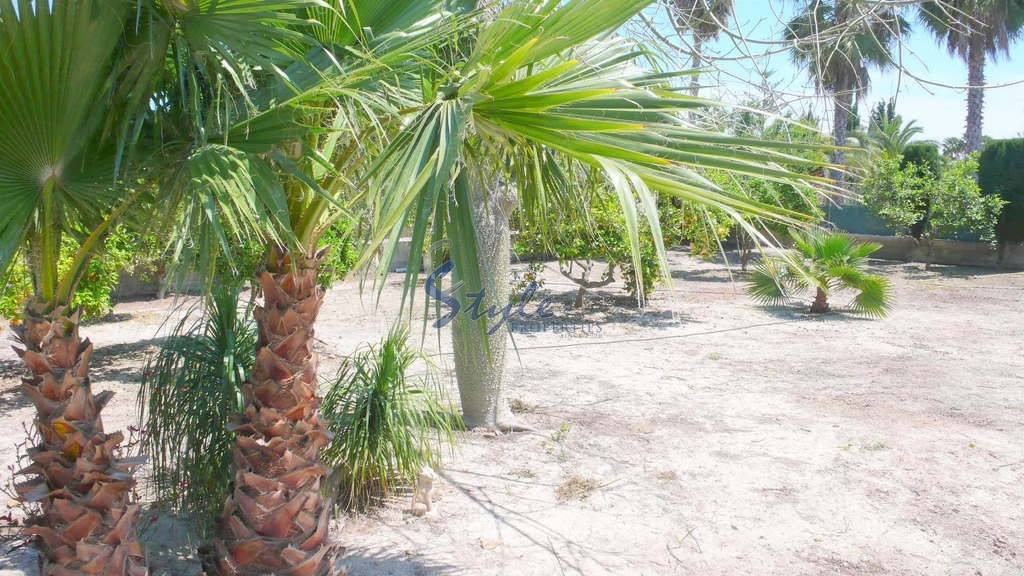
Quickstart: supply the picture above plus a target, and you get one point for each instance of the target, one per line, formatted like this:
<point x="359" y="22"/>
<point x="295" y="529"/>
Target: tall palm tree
<point x="975" y="30"/>
<point x="339" y="104"/>
<point x="704" y="20"/>
<point x="838" y="42"/>
<point x="96" y="96"/>
<point x="538" y="86"/>
<point x="53" y="182"/>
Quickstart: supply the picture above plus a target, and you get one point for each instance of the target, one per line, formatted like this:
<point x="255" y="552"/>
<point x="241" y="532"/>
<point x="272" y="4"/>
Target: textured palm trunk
<point x="975" y="92"/>
<point x="840" y="116"/>
<point x="276" y="519"/>
<point x="87" y="525"/>
<point x="479" y="364"/>
<point x="820" y="304"/>
<point x="695" y="64"/>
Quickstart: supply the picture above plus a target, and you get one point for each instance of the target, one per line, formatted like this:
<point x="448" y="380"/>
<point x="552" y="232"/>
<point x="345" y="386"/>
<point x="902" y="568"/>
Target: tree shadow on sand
<point x="393" y="563"/>
<point x="605" y="308"/>
<point x="916" y="271"/>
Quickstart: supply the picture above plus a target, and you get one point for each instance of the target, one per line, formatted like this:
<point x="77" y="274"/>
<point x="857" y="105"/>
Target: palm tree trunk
<point x="276" y="519"/>
<point x="820" y="304"/>
<point x="87" y="525"/>
<point x="480" y="362"/>
<point x="695" y="64"/>
<point x="975" y="92"/>
<point x="843" y="100"/>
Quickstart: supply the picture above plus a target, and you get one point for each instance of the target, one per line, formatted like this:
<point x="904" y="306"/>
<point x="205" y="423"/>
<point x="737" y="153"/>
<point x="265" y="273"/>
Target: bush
<point x="923" y="154"/>
<point x="93" y="294"/>
<point x="1001" y="172"/>
<point x="385" y="425"/>
<point x="579" y="242"/>
<point x="189" y="389"/>
<point x="917" y="202"/>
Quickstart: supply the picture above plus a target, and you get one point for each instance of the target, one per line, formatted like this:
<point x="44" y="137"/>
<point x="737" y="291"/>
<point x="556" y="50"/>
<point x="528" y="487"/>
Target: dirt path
<point x="705" y="436"/>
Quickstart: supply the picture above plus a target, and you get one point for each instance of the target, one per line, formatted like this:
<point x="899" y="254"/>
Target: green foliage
<point x="823" y="261"/>
<point x="925" y="155"/>
<point x="1001" y="173"/>
<point x="596" y="231"/>
<point x="189" y="389"/>
<point x="386" y="426"/>
<point x="96" y="287"/>
<point x="910" y="196"/>
<point x="703" y="228"/>
<point x="15" y="288"/>
<point x="341" y="256"/>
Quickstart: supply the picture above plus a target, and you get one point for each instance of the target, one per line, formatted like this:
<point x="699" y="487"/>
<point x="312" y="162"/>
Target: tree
<point x="825" y="263"/>
<point x="104" y="104"/>
<point x="541" y="79"/>
<point x="1000" y="174"/>
<point x="704" y="20"/>
<point x="892" y="136"/>
<point x="974" y="30"/>
<point x="52" y="108"/>
<point x="913" y="199"/>
<point x="838" y="42"/>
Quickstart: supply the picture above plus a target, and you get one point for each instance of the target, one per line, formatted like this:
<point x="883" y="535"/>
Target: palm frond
<point x="52" y="96"/>
<point x="189" y="389"/>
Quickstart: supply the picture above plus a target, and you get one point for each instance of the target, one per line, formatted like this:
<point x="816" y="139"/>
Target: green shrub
<point x="923" y="154"/>
<point x="385" y="425"/>
<point x="598" y="236"/>
<point x="94" y="292"/>
<point x="928" y="206"/>
<point x="189" y="389"/>
<point x="1001" y="172"/>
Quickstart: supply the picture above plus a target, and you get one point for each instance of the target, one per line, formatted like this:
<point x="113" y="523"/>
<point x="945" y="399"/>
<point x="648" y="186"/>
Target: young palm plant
<point x="825" y="263"/>
<point x="537" y="81"/>
<point x="189" y="389"/>
<point x="382" y="422"/>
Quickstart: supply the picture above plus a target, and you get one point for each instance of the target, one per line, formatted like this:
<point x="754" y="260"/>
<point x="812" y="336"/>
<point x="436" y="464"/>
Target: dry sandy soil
<point x="704" y="436"/>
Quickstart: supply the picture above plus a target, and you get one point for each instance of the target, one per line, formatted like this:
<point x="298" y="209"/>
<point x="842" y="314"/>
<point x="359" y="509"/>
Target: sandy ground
<point x="704" y="436"/>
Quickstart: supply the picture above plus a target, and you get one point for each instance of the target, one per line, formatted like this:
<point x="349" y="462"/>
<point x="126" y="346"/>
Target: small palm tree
<point x="975" y="30"/>
<point x="892" y="135"/>
<point x="826" y="263"/>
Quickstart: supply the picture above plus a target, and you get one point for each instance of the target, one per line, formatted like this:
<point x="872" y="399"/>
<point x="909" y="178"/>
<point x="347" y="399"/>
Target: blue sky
<point x="940" y="111"/>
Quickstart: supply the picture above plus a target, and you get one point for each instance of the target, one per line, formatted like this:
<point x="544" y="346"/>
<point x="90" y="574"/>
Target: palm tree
<point x="97" y="97"/>
<point x="50" y="133"/>
<point x="824" y="262"/>
<point x="539" y="86"/>
<point x="338" y="106"/>
<point x="974" y="30"/>
<point x="704" y="20"/>
<point x="892" y="136"/>
<point x="838" y="42"/>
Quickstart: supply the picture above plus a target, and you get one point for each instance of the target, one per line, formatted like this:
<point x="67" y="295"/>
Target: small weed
<point x="876" y="446"/>
<point x="576" y="488"/>
<point x="524" y="473"/>
<point x="519" y="407"/>
<point x="714" y="356"/>
<point x="561" y="433"/>
<point x="556" y="444"/>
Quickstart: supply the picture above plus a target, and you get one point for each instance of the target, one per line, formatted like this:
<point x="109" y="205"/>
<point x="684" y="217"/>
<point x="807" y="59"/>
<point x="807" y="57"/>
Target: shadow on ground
<point x="392" y="563"/>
